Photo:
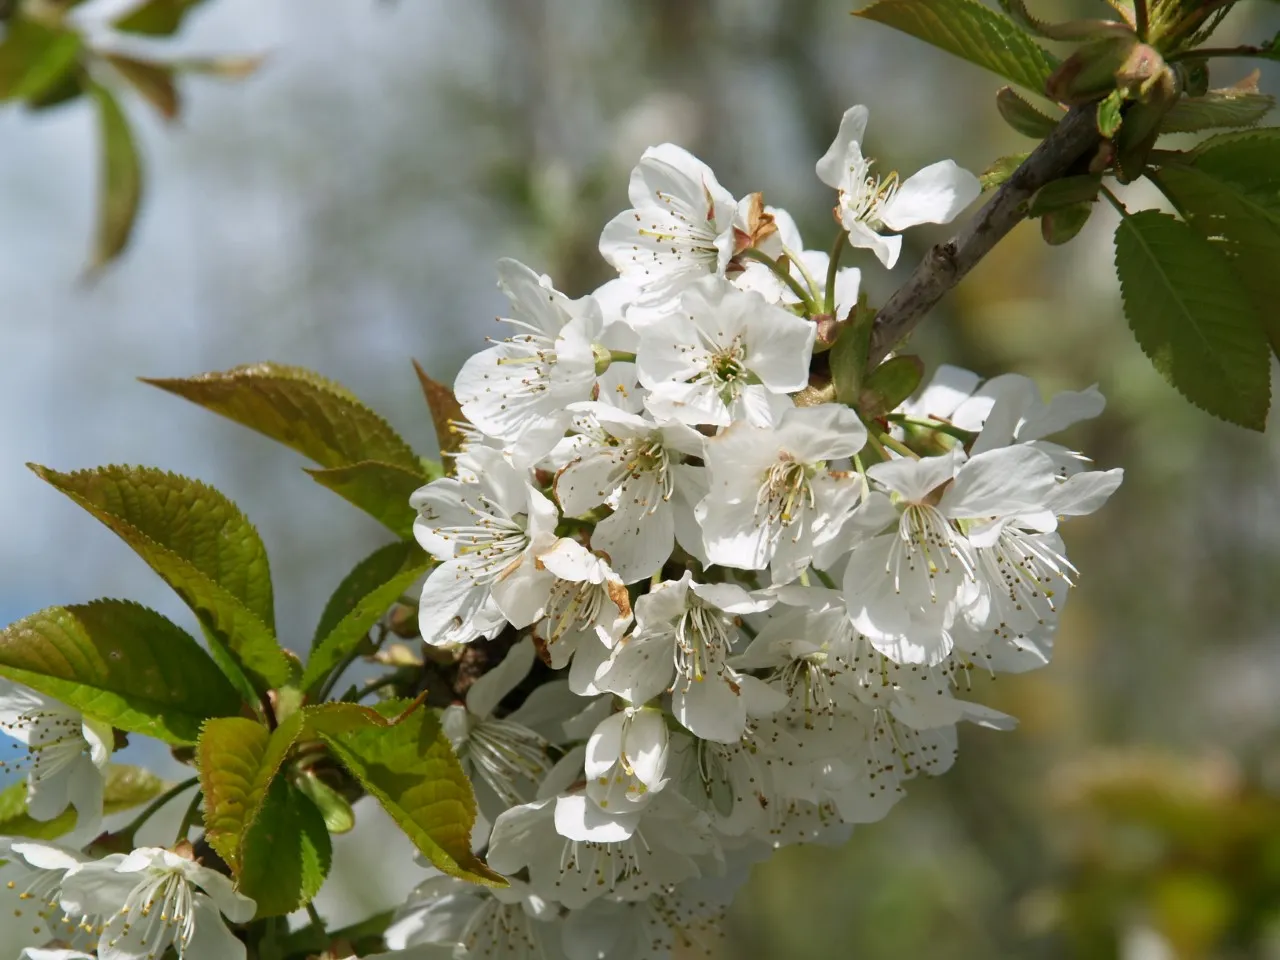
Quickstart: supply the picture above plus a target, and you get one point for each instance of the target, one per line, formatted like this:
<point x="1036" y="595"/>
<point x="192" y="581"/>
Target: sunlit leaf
<point x="238" y="760"/>
<point x="286" y="852"/>
<point x="121" y="663"/>
<point x="364" y="596"/>
<point x="381" y="490"/>
<point x="408" y="765"/>
<point x="317" y="417"/>
<point x="200" y="543"/>
<point x="972" y="31"/>
<point x="1217" y="108"/>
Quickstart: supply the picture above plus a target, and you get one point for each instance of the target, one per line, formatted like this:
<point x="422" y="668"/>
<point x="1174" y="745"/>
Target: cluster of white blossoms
<point x="764" y="606"/>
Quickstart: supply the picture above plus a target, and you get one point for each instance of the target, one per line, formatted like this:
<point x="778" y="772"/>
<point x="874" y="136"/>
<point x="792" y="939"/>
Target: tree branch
<point x="944" y="265"/>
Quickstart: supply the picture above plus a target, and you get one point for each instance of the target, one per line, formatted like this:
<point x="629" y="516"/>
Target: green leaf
<point x="445" y="413"/>
<point x="1239" y="222"/>
<point x="153" y="82"/>
<point x="1249" y="158"/>
<point x="1191" y="318"/>
<point x="200" y="543"/>
<point x="971" y="31"/>
<point x="364" y="596"/>
<point x="120" y="663"/>
<point x="1063" y="224"/>
<point x="286" y="852"/>
<point x="1064" y="192"/>
<point x="70" y="87"/>
<point x="155" y="18"/>
<point x="889" y="384"/>
<point x="1217" y="108"/>
<point x="124" y="787"/>
<point x="1001" y="170"/>
<point x="320" y="419"/>
<point x="381" y="490"/>
<point x="119" y="180"/>
<point x="35" y="58"/>
<point x="409" y="766"/>
<point x="1022" y="116"/>
<point x="238" y="760"/>
<point x="333" y="806"/>
<point x="1109" y="117"/>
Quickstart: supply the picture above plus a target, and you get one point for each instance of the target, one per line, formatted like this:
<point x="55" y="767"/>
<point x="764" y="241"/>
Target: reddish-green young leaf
<point x="1191" y="317"/>
<point x="119" y="179"/>
<point x="408" y="765"/>
<point x="155" y="18"/>
<point x="320" y="419"/>
<point x="153" y="81"/>
<point x="1061" y="225"/>
<point x="121" y="663"/>
<point x="201" y="545"/>
<point x="972" y="31"/>
<point x="34" y="58"/>
<point x="238" y="760"/>
<point x="381" y="490"/>
<point x="1001" y="170"/>
<point x="286" y="852"/>
<point x="364" y="596"/>
<point x="124" y="787"/>
<point x="445" y="413"/>
<point x="1022" y="116"/>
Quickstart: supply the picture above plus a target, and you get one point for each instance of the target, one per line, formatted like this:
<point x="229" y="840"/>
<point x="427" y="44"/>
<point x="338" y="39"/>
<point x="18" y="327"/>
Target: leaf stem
<point x="833" y="267"/>
<point x="1113" y="200"/>
<point x="751" y="253"/>
<point x="898" y="446"/>
<point x="804" y="272"/>
<point x="932" y="423"/>
<point x="1140" y="19"/>
<point x="151" y="808"/>
<point x="825" y="577"/>
<point x="189" y="818"/>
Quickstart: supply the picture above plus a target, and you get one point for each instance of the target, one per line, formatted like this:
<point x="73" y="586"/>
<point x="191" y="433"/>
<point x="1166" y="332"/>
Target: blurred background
<point x="342" y="210"/>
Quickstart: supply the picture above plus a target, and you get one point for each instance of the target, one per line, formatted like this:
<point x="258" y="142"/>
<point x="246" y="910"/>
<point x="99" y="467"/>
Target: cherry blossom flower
<point x="869" y="203"/>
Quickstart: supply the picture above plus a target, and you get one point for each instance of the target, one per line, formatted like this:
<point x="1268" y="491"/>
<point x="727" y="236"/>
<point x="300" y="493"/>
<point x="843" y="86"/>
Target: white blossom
<point x="153" y="899"/>
<point x="771" y="489"/>
<point x="636" y="466"/>
<point x="726" y="355"/>
<point x="67" y="753"/>
<point x="503" y="754"/>
<point x="41" y="868"/>
<point x="518" y="390"/>
<point x="680" y="227"/>
<point x="627" y="758"/>
<point x="469" y="922"/>
<point x="868" y="203"/>
<point x="486" y="535"/>
<point x="684" y="635"/>
<point x="904" y="588"/>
